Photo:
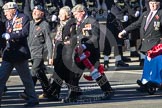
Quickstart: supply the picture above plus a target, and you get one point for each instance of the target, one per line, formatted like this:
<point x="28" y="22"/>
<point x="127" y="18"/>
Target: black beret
<point x="39" y="7"/>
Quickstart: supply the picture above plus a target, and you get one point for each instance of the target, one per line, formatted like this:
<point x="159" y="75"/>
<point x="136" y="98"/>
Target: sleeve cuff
<point x="124" y="32"/>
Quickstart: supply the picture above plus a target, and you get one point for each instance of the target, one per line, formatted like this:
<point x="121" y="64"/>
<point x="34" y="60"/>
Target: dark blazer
<point x="90" y="38"/>
<point x="153" y="33"/>
<point x="69" y="29"/>
<point x="19" y="31"/>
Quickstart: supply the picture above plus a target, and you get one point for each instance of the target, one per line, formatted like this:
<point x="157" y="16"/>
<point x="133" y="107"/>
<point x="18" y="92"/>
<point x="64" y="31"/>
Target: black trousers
<point x="107" y="47"/>
<point x="63" y="66"/>
<point x="38" y="72"/>
<point x="111" y="41"/>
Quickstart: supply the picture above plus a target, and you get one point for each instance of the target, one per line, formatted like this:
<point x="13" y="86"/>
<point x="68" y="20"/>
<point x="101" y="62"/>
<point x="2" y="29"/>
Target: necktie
<point x="78" y="25"/>
<point x="148" y="20"/>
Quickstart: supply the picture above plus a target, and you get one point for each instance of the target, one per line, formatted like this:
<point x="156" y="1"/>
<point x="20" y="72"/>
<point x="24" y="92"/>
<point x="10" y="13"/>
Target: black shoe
<point x="134" y="54"/>
<point x="108" y="95"/>
<point x="69" y="100"/>
<point x="151" y="87"/>
<point x="31" y="104"/>
<point x="121" y="64"/>
<point x="141" y="89"/>
<point x="23" y="96"/>
<point x="106" y="64"/>
<point x="139" y="82"/>
<point x="141" y="62"/>
<point x="126" y="59"/>
<point x="152" y="84"/>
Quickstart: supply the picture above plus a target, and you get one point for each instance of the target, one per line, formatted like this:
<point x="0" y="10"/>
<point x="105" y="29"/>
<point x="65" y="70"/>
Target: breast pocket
<point x="40" y="38"/>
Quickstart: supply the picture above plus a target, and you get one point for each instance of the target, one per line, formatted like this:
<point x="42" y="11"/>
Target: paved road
<point x="122" y="81"/>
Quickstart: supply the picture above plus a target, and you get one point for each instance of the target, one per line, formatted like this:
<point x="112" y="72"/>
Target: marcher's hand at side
<point x="120" y="35"/>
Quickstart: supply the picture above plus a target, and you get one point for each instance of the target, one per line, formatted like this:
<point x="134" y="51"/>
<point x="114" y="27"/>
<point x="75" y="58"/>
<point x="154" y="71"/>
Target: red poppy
<point x="157" y="17"/>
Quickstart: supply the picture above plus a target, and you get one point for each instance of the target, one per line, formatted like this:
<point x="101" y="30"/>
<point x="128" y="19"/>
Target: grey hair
<point x="79" y="7"/>
<point x="67" y="10"/>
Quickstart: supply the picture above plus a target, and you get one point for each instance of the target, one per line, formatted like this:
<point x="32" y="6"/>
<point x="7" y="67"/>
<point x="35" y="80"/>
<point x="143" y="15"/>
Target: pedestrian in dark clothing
<point x="134" y="14"/>
<point x="87" y="34"/>
<point x="16" y="52"/>
<point x="117" y="19"/>
<point x="150" y="28"/>
<point x="39" y="42"/>
<point x="62" y="55"/>
<point x="107" y="46"/>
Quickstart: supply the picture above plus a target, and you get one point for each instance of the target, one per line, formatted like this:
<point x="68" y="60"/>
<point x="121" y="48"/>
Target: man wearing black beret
<point x="40" y="43"/>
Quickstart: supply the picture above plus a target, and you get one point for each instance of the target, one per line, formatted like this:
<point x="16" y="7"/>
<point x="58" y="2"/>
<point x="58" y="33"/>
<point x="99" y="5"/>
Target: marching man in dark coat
<point x="16" y="52"/>
<point x="87" y="34"/>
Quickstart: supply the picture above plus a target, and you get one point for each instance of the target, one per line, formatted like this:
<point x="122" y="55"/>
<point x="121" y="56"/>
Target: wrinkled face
<point x="37" y="14"/>
<point x="154" y="5"/>
<point x="79" y="15"/>
<point x="10" y="13"/>
<point x="62" y="15"/>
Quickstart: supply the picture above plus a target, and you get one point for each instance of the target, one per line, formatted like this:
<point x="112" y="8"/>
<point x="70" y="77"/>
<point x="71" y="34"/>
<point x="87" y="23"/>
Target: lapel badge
<point x="157" y="17"/>
<point x="38" y="28"/>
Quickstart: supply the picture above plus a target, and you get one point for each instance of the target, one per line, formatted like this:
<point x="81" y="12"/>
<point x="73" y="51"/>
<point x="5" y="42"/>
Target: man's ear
<point x="42" y="13"/>
<point x="83" y="12"/>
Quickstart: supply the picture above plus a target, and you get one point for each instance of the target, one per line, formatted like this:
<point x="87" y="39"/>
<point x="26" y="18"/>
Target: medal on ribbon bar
<point x="156" y="25"/>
